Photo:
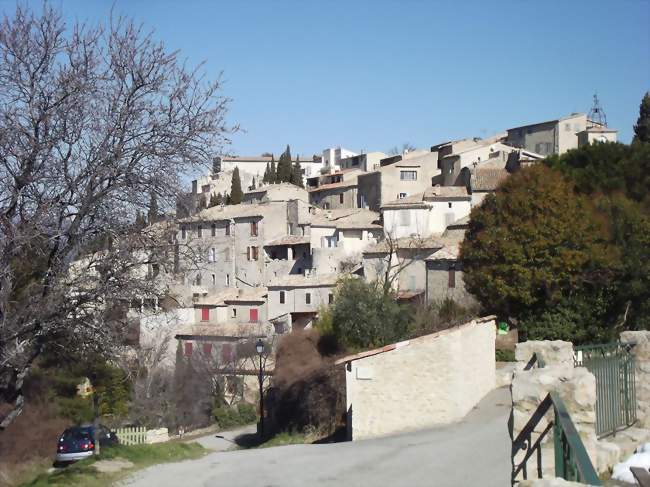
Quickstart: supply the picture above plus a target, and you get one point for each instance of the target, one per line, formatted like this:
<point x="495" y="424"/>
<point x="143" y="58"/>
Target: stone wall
<point x="158" y="435"/>
<point x="640" y="343"/>
<point x="430" y="380"/>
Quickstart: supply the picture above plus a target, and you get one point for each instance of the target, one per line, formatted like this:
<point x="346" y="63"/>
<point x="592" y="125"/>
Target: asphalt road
<point x="472" y="452"/>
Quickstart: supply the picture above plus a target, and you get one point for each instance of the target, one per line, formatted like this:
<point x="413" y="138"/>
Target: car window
<point x="75" y="434"/>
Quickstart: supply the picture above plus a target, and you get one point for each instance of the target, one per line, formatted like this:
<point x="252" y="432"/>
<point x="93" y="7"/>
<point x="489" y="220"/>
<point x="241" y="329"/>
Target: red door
<point x="205" y="314"/>
<point x="253" y="315"/>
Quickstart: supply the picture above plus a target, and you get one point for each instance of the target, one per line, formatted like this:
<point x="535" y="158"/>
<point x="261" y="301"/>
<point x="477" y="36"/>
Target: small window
<point x="197" y="281"/>
<point x="281" y="297"/>
<point x="188" y="349"/>
<point x="214" y="279"/>
<point x="205" y="314"/>
<point x="234" y="312"/>
<point x="408" y="175"/>
<point x="307" y="298"/>
<point x="341" y="198"/>
<point x="228" y="280"/>
<point x="330" y="298"/>
<point x="199" y="232"/>
<point x="255" y="253"/>
<point x="183" y="233"/>
<point x="253" y="229"/>
<point x="227" y="229"/>
<point x="211" y="253"/>
<point x="207" y="348"/>
<point x="449" y="205"/>
<point x="401" y="195"/>
<point x="214" y="230"/>
<point x="452" y="277"/>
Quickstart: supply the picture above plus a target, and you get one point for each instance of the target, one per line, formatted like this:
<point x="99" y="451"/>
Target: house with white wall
<point x="331" y="158"/>
<point x="426" y="214"/>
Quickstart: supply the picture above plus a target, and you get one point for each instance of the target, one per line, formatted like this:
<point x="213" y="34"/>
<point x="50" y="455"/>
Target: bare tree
<point x="92" y="120"/>
<point x="406" y="147"/>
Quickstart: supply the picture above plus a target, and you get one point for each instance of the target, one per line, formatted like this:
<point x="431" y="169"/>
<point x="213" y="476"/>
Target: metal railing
<point x="613" y="366"/>
<point x="571" y="459"/>
<point x="535" y="360"/>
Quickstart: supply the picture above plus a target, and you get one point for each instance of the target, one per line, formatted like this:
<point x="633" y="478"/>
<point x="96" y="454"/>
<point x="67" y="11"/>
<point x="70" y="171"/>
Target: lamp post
<point x="259" y="347"/>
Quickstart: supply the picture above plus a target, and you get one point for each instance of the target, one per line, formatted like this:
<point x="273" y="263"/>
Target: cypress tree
<point x="153" y="208"/>
<point x="284" y="167"/>
<point x="213" y="200"/>
<point x="236" y="193"/>
<point x="272" y="178"/>
<point x="219" y="199"/>
<point x="296" y="175"/>
<point x="265" y="179"/>
<point x="253" y="184"/>
<point x="642" y="127"/>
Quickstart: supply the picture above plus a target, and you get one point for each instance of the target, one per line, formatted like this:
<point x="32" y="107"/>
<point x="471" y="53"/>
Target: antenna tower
<point x="596" y="116"/>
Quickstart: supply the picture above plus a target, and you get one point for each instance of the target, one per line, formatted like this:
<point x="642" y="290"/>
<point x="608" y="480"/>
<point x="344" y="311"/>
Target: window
<point x="452" y="277"/>
<point x="226" y="352"/>
<point x="341" y="198"/>
<point x="199" y="232"/>
<point x="253" y="315"/>
<point x="183" y="233"/>
<point x="330" y="298"/>
<point x="197" y="280"/>
<point x="214" y="279"/>
<point x="205" y="314"/>
<point x="228" y="280"/>
<point x="402" y="195"/>
<point x="188" y="349"/>
<point x="307" y="298"/>
<point x="214" y="230"/>
<point x="234" y="312"/>
<point x="207" y="348"/>
<point x="281" y="297"/>
<point x="253" y="229"/>
<point x="256" y="252"/>
<point x="227" y="229"/>
<point x="408" y="175"/>
<point x="211" y="254"/>
<point x="449" y="205"/>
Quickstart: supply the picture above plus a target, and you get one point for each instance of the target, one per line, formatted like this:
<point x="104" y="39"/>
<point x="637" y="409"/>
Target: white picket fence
<point x="132" y="436"/>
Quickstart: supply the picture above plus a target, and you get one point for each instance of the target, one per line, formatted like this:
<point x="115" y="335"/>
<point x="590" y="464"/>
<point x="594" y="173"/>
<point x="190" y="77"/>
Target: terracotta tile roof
<point x="413" y="201"/>
<point x="290" y="240"/>
<point x="346" y="218"/>
<point x="438" y="193"/>
<point x="228" y="212"/>
<point x="448" y="252"/>
<point x="414" y="243"/>
<point x="487" y="179"/>
<point x="232" y="294"/>
<point x="341" y="184"/>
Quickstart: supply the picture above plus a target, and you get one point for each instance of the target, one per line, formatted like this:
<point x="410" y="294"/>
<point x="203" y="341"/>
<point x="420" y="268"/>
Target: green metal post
<point x="558" y="447"/>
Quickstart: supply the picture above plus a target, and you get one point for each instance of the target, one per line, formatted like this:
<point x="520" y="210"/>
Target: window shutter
<point x="205" y="314"/>
<point x="253" y="316"/>
<point x="207" y="348"/>
<point x="281" y="297"/>
<point x="188" y="349"/>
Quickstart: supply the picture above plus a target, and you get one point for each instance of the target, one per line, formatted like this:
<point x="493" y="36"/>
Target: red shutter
<point x="226" y="352"/>
<point x="207" y="348"/>
<point x="188" y="349"/>
<point x="205" y="314"/>
<point x="253" y="315"/>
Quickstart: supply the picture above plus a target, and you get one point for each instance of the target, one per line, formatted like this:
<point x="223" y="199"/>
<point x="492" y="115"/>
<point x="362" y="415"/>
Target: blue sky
<point x="374" y="74"/>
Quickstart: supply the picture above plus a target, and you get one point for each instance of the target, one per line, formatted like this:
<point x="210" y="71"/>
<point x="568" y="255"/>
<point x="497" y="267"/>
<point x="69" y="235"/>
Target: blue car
<point x="78" y="442"/>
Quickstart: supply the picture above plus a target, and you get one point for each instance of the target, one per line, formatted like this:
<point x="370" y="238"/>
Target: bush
<point x="228" y="416"/>
<point x="505" y="356"/>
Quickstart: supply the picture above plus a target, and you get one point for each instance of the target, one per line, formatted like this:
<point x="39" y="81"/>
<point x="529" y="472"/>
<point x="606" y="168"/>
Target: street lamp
<point x="259" y="347"/>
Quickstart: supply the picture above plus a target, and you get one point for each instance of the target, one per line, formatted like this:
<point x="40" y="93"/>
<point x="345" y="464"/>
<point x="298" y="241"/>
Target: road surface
<point x="472" y="452"/>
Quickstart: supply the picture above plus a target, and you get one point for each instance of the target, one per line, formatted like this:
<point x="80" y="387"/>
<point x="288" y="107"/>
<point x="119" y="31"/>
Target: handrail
<point x="571" y="459"/>
<point x="535" y="360"/>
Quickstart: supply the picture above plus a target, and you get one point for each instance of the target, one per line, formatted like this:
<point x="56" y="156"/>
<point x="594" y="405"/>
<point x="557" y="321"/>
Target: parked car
<point x="78" y="442"/>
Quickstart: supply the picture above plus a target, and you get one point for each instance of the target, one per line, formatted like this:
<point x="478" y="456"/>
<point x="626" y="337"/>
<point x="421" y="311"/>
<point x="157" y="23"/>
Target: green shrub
<point x="229" y="416"/>
<point x="505" y="356"/>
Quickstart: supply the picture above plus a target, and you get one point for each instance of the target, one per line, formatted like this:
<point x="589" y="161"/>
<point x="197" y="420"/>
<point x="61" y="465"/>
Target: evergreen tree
<point x="226" y="199"/>
<point x="265" y="179"/>
<point x="219" y="199"/>
<point x="140" y="221"/>
<point x="213" y="200"/>
<point x="272" y="173"/>
<point x="642" y="127"/>
<point x="253" y="184"/>
<point x="296" y="174"/>
<point x="202" y="204"/>
<point x="153" y="208"/>
<point x="284" y="167"/>
<point x="236" y="193"/>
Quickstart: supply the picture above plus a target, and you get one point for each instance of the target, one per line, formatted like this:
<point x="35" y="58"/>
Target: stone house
<point x="483" y="181"/>
<point x="596" y="134"/>
<point x="550" y="137"/>
<point x="444" y="274"/>
<point x="426" y="214"/>
<point x="397" y="177"/>
<point x="368" y="161"/>
<point x="334" y="190"/>
<point x="294" y="300"/>
<point x="276" y="192"/>
<point x="338" y="237"/>
<point x="332" y="157"/>
<point x="233" y="246"/>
